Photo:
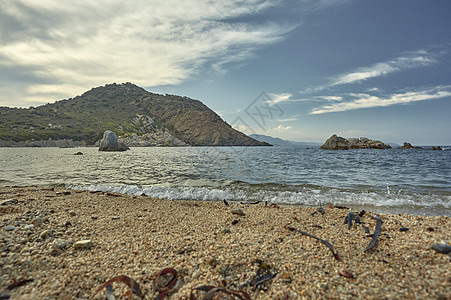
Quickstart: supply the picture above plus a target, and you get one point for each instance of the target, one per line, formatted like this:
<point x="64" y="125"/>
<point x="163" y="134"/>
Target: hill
<point x="132" y="112"/>
<point x="282" y="143"/>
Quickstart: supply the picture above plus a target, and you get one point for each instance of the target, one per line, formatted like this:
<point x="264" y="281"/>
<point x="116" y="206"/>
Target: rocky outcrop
<point x="436" y="148"/>
<point x="335" y="143"/>
<point x="339" y="143"/>
<point x="409" y="146"/>
<point x="109" y="142"/>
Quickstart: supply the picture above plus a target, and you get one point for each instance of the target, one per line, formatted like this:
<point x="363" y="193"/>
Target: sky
<point x="296" y="69"/>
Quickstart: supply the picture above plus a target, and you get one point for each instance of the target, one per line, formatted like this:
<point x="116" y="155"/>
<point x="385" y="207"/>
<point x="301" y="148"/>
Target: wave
<point x="307" y="195"/>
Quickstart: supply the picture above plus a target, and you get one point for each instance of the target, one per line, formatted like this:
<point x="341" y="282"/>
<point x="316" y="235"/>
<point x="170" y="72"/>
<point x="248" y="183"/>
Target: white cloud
<point x="330" y="98"/>
<point x="70" y="48"/>
<point x="293" y="118"/>
<point x="367" y="101"/>
<point x="278" y="98"/>
<point x="407" y="61"/>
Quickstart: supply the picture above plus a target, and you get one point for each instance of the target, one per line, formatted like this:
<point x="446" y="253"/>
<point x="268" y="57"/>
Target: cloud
<point x="293" y="118"/>
<point x="66" y="49"/>
<point x="278" y="98"/>
<point x="406" y="61"/>
<point x="363" y="100"/>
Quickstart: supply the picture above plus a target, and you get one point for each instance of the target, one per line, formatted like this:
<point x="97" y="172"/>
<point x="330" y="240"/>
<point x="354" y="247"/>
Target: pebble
<point x="72" y="213"/>
<point x="238" y="211"/>
<point x="45" y="234"/>
<point x="37" y="221"/>
<point x="83" y="244"/>
<point x="59" y="244"/>
<point x="31" y="226"/>
<point x="10" y="228"/>
<point x="442" y="248"/>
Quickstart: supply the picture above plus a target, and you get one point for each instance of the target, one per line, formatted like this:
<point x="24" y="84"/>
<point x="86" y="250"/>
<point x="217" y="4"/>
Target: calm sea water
<point x="398" y="181"/>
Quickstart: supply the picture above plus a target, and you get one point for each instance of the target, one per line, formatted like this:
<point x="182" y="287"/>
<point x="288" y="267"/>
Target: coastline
<point x="207" y="243"/>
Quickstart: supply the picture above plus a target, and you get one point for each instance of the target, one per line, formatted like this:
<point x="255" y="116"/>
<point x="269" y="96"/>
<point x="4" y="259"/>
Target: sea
<point x="413" y="181"/>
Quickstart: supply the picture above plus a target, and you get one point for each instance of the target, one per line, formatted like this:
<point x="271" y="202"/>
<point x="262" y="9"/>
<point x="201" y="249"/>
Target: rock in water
<point x="339" y="143"/>
<point x="335" y="143"/>
<point x="110" y="143"/>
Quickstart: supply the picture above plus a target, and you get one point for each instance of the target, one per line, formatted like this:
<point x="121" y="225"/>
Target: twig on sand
<point x="329" y="245"/>
<point x="377" y="232"/>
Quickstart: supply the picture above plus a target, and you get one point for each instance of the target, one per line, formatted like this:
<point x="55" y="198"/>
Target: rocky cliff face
<point x="139" y="118"/>
<point x="339" y="143"/>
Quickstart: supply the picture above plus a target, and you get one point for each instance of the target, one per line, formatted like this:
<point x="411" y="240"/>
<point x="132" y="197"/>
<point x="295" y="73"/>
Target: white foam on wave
<point x="308" y="196"/>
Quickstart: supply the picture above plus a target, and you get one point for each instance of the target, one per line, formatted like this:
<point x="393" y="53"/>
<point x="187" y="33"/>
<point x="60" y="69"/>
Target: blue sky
<point x="299" y="70"/>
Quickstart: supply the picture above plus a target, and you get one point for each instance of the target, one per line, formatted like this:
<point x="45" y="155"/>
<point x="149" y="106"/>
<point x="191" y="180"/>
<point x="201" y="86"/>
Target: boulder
<point x="109" y="142"/>
<point x="335" y="143"/>
<point x="436" y="148"/>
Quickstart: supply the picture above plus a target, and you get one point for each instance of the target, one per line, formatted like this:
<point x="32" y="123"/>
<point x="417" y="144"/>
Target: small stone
<point x="115" y="218"/>
<point x="59" y="244"/>
<point x="45" y="234"/>
<point x="31" y="226"/>
<point x="10" y="228"/>
<point x="442" y="248"/>
<point x="37" y="221"/>
<point x="83" y="244"/>
<point x="238" y="211"/>
<point x="67" y="193"/>
<point x="226" y="230"/>
<point x="285" y="277"/>
<point x="213" y="262"/>
<point x="72" y="213"/>
<point x="68" y="224"/>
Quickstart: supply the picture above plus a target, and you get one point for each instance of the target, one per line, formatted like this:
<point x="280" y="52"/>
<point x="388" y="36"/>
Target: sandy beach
<point x="247" y="247"/>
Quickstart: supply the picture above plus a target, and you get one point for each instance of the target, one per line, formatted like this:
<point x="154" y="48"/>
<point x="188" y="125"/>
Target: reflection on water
<point x="410" y="180"/>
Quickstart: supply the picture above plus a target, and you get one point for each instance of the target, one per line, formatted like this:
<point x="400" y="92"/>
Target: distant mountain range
<point x="134" y="114"/>
<point x="278" y="142"/>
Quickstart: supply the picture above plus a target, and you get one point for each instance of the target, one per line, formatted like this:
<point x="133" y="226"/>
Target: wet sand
<point x="209" y="243"/>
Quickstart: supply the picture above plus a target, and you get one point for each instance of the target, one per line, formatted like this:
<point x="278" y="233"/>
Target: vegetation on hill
<point x="117" y="107"/>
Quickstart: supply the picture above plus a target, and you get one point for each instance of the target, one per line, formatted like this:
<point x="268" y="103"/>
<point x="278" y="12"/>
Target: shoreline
<point x="207" y="243"/>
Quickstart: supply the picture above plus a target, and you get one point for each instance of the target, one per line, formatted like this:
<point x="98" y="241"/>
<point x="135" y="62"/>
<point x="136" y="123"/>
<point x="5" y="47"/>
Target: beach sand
<point x="210" y="245"/>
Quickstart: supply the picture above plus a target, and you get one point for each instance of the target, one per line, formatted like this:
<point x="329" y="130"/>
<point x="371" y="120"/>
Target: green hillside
<point x="120" y="108"/>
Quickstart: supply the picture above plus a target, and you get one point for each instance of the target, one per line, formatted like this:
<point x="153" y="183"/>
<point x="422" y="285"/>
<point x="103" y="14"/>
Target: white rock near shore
<point x="109" y="142"/>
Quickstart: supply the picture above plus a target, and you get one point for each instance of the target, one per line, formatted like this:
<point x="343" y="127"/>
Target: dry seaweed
<point x="256" y="202"/>
<point x="16" y="284"/>
<point x="377" y="232"/>
<point x="345" y="273"/>
<point x="211" y="292"/>
<point x="164" y="290"/>
<point x="320" y="210"/>
<point x="367" y="230"/>
<point x="329" y="245"/>
<point x="134" y="287"/>
<point x="109" y="292"/>
<point x="349" y="219"/>
<point x="261" y="279"/>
